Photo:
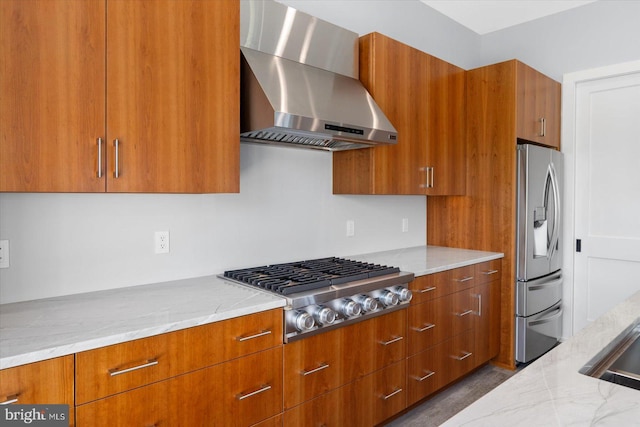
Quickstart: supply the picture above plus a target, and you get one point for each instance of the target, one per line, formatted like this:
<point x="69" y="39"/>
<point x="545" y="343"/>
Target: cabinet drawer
<point x="488" y="271"/>
<point x="437" y="285"/>
<point x="113" y="369"/>
<point x="460" y="358"/>
<point x="312" y="366"/>
<point x="390" y="338"/>
<point x="49" y="381"/>
<point x="389" y="391"/>
<point x="429" y="323"/>
<point x="217" y="393"/>
<point x="425" y="373"/>
<point x="464" y="311"/>
<point x="461" y="278"/>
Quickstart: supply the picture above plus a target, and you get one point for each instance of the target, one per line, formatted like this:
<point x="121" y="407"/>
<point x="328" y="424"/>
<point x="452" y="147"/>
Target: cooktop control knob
<point x="368" y="303"/>
<point x="389" y="298"/>
<point x="324" y="315"/>
<point x="351" y="308"/>
<point x="303" y="321"/>
<point x="404" y="294"/>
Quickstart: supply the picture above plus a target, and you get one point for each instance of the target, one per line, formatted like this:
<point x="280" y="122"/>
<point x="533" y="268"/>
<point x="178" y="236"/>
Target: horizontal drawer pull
<point x="150" y="362"/>
<point x="464" y="279"/>
<point x="313" y="371"/>
<point x="425" y="328"/>
<point x="490" y="272"/>
<point x="389" y="396"/>
<point x="464" y="313"/>
<point x="262" y="389"/>
<point x="432" y="288"/>
<point x="430" y="374"/>
<point x="250" y="337"/>
<point x="391" y="341"/>
<point x="10" y="400"/>
<point x="463" y="357"/>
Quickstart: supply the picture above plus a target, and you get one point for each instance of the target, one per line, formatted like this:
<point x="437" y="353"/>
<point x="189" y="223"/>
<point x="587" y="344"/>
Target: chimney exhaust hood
<point x="299" y="83"/>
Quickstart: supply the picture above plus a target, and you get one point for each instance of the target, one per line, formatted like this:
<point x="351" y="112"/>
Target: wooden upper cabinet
<point x="424" y="99"/>
<point x="538" y="106"/>
<point x="52" y="100"/>
<point x="159" y="76"/>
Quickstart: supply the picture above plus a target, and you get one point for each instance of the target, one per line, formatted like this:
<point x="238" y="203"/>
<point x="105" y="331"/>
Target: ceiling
<point x="485" y="16"/>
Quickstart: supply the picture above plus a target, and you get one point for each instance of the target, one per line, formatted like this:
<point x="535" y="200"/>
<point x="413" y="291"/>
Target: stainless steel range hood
<point x="300" y="83"/>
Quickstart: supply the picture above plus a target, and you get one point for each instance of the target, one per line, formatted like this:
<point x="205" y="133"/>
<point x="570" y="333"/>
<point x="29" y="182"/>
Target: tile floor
<point x="452" y="400"/>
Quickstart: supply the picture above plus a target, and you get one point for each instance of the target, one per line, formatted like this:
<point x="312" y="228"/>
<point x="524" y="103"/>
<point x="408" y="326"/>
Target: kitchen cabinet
<point x="49" y="381"/>
<point x="538" y="100"/>
<point x="487" y="317"/>
<point x="139" y="381"/>
<point x="423" y="97"/>
<point x="485" y="219"/>
<point x="148" y="102"/>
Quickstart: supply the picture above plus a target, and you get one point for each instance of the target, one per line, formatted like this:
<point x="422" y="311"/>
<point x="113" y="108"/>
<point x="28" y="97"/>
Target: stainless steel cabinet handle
<point x="313" y="371"/>
<point x="464" y="313"/>
<point x="463" y="357"/>
<point x="464" y="279"/>
<point x="479" y="304"/>
<point x="262" y="389"/>
<point x="99" y="157"/>
<point x="116" y="172"/>
<point x="432" y="288"/>
<point x="10" y="400"/>
<point x="150" y="362"/>
<point x="392" y="341"/>
<point x="425" y="328"/>
<point x="490" y="272"/>
<point x="430" y="374"/>
<point x="543" y="126"/>
<point x="250" y="337"/>
<point x="432" y="181"/>
<point x="389" y="396"/>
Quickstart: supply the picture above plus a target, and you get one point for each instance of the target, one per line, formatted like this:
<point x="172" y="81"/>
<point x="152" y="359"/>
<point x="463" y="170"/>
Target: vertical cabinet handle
<point x="479" y="304"/>
<point x="428" y="170"/>
<point x="432" y="182"/>
<point x="116" y="144"/>
<point x="543" y="126"/>
<point x="99" y="157"/>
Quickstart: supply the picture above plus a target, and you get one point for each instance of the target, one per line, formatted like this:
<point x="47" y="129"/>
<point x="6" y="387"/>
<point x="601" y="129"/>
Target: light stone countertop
<point x="37" y="330"/>
<point x="551" y="392"/>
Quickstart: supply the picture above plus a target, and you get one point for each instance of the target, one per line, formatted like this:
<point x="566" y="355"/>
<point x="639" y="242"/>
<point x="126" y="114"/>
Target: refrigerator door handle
<point x="555" y="234"/>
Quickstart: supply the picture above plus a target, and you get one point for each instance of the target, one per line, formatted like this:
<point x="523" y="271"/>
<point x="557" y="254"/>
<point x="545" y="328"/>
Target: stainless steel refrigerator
<point x="538" y="251"/>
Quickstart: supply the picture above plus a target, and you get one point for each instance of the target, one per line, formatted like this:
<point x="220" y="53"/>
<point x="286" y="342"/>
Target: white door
<point x="607" y="194"/>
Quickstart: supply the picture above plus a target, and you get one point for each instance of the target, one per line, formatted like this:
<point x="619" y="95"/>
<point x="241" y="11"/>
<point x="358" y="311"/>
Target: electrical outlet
<point x="162" y="242"/>
<point x="4" y="254"/>
<point x="405" y="225"/>
<point x="351" y="228"/>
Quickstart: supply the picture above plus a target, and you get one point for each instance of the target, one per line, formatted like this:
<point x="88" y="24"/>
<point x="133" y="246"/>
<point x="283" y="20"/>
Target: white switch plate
<point x="351" y="228"/>
<point x="162" y="242"/>
<point x="4" y="254"/>
<point x="405" y="225"/>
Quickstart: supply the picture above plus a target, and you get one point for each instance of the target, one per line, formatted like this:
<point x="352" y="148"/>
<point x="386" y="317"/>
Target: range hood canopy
<point x="300" y="83"/>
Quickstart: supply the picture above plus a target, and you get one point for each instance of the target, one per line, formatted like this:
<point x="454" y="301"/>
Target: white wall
<point x="69" y="243"/>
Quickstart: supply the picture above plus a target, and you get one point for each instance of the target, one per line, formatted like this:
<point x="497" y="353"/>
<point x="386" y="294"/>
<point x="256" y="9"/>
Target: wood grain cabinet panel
<point x="212" y="396"/>
<point x="389" y="394"/>
<point x="423" y="97"/>
<point x="157" y="110"/>
<point x="46" y="382"/>
<point x="429" y="323"/>
<point x="426" y="373"/>
<point x="113" y="369"/>
<point x="390" y="339"/>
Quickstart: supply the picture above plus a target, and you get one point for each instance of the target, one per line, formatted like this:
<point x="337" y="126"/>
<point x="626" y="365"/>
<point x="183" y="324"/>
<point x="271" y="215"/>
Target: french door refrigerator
<point x="538" y="251"/>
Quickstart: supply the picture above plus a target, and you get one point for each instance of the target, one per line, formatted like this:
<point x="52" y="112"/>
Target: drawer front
<point x="425" y="288"/>
<point x="425" y="373"/>
<point x="312" y="366"/>
<point x="464" y="311"/>
<point x="390" y="338"/>
<point x="460" y="358"/>
<point x="216" y="395"/>
<point x="461" y="278"/>
<point x="113" y="369"/>
<point x="389" y="391"/>
<point x="488" y="271"/>
<point x="49" y="381"/>
<point x="429" y="323"/>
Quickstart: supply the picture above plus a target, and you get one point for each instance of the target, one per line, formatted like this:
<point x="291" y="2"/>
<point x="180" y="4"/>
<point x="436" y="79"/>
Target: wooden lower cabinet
<point x="240" y="392"/>
<point x="389" y="394"/>
<point x="49" y="381"/>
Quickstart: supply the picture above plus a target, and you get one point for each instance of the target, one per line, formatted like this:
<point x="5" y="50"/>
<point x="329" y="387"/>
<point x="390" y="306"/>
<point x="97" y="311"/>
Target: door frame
<point x="570" y="82"/>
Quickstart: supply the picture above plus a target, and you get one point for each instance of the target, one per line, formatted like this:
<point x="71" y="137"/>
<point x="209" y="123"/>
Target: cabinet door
<point x="52" y="105"/>
<point x="173" y="96"/>
<point x="538" y="107"/>
<point x="487" y="322"/>
<point x="49" y="381"/>
<point x="445" y="140"/>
